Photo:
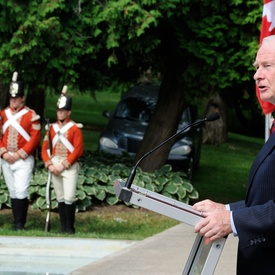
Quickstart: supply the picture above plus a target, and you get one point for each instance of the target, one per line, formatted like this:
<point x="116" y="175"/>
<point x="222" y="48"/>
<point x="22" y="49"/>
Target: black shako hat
<point x="64" y="102"/>
<point x="16" y="88"/>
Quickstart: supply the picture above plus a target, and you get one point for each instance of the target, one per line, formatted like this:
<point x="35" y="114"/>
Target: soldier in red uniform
<point x="21" y="134"/>
<point x="66" y="141"/>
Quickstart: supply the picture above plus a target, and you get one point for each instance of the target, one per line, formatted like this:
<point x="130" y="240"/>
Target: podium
<point x="203" y="257"/>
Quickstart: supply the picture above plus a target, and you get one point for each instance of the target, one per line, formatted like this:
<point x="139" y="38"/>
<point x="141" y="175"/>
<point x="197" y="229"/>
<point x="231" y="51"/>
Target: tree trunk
<point x="4" y="99"/>
<point x="215" y="132"/>
<point x="36" y="100"/>
<point x="163" y="124"/>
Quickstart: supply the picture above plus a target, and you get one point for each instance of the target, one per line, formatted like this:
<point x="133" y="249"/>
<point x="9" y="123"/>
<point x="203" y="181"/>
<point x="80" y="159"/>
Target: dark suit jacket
<point x="254" y="218"/>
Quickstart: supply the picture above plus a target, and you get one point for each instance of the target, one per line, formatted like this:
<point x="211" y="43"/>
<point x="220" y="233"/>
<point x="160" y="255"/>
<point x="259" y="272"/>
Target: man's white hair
<point x="268" y="38"/>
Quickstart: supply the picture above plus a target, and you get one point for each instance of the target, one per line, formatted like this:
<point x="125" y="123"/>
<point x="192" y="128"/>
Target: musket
<point x="48" y="186"/>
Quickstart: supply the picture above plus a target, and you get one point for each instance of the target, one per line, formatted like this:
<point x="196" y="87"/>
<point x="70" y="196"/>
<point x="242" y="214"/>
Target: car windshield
<point x="185" y="120"/>
<point x="135" y="109"/>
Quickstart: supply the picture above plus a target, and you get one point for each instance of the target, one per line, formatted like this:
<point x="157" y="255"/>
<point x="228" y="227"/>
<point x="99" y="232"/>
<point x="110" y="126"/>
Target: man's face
<point x="62" y="114"/>
<point x="265" y="71"/>
<point x="16" y="102"/>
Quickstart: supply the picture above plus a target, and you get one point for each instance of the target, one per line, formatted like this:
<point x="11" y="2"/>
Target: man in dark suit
<point x="253" y="219"/>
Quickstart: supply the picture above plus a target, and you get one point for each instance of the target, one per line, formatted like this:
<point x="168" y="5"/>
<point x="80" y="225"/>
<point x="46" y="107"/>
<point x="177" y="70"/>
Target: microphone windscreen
<point x="213" y="116"/>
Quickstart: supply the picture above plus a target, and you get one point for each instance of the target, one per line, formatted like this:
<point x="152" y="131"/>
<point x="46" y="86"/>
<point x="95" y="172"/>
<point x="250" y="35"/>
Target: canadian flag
<point x="268" y="28"/>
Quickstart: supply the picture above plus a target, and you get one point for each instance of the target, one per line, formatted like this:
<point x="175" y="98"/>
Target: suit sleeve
<point x="255" y="221"/>
<point x="237" y="205"/>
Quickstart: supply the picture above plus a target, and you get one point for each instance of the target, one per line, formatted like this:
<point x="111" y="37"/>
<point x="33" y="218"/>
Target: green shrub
<point x="96" y="179"/>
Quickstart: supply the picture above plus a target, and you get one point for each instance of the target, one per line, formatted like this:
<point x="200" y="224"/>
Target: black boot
<point x="62" y="216"/>
<point x="14" y="207"/>
<point x="19" y="210"/>
<point x="70" y="218"/>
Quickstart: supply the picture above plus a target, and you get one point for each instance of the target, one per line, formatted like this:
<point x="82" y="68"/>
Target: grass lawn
<point x="101" y="222"/>
<point x="224" y="168"/>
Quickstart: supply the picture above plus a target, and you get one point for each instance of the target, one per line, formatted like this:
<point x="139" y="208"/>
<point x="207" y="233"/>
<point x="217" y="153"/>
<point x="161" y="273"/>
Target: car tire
<point x="190" y="169"/>
<point x="198" y="157"/>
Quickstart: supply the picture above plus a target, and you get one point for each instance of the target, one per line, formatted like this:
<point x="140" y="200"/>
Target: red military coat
<point x="73" y="136"/>
<point x="14" y="133"/>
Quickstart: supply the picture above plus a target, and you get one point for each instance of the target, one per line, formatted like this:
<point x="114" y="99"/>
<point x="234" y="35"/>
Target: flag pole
<point x="267" y="126"/>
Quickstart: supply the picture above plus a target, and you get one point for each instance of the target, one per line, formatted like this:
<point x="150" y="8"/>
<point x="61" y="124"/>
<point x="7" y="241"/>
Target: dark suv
<point x="127" y="125"/>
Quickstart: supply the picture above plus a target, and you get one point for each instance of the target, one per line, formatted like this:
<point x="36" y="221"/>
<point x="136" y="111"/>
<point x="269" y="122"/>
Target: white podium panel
<point x="204" y="256"/>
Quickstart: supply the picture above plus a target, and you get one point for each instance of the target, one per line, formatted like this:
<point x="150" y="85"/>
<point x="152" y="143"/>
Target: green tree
<point x="200" y="49"/>
<point x="47" y="43"/>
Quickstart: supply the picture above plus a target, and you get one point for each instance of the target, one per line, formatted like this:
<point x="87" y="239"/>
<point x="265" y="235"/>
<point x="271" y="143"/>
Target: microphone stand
<point x="131" y="177"/>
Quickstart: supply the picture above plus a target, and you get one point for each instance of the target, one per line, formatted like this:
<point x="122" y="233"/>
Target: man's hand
<point x="53" y="170"/>
<point x="15" y="157"/>
<point x="217" y="220"/>
<point x="208" y="207"/>
<point x="60" y="168"/>
<point x="215" y="226"/>
<point x="11" y="159"/>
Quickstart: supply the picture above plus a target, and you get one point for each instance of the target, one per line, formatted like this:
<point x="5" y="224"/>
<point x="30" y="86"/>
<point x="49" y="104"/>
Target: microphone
<point x="211" y="117"/>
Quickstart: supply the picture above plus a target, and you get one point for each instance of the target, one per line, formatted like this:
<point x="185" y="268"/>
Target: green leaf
<point x="139" y="183"/>
<point x="81" y="179"/>
<point x="165" y="169"/>
<point x="118" y="167"/>
<point x="42" y="191"/>
<point x="150" y="187"/>
<point x="90" y="190"/>
<point x="161" y="181"/>
<point x="3" y="198"/>
<point x="187" y="186"/>
<point x="110" y="189"/>
<point x="145" y="178"/>
<point x="90" y="180"/>
<point x="177" y="180"/>
<point x="103" y="177"/>
<point x="91" y="172"/>
<point x="112" y="200"/>
<point x="54" y="204"/>
<point x="181" y="192"/>
<point x="171" y="188"/>
<point x="80" y="194"/>
<point x="33" y="189"/>
<point x="101" y="195"/>
<point x="40" y="202"/>
<point x="194" y="195"/>
<point x="83" y="204"/>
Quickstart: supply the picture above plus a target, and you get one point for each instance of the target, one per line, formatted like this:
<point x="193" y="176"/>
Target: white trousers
<point x="18" y="176"/>
<point x="65" y="183"/>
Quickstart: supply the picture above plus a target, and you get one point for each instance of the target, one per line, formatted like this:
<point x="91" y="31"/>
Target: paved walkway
<point x="165" y="253"/>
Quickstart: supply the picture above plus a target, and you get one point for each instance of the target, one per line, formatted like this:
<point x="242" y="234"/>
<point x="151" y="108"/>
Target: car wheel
<point x="198" y="158"/>
<point x="190" y="169"/>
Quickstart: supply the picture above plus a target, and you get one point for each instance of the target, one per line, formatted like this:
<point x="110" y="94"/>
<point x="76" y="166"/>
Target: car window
<point x="185" y="119"/>
<point x="135" y="109"/>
